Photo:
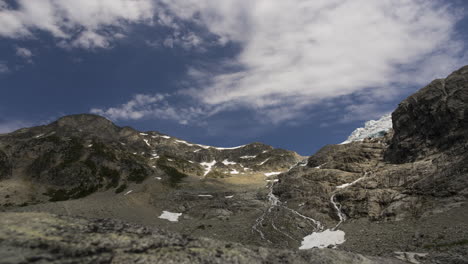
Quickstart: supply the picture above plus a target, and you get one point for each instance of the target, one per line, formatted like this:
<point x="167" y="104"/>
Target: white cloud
<point x="4" y="67"/>
<point x="77" y="23"/>
<point x="293" y="54"/>
<point x="298" y="53"/>
<point x="24" y="52"/>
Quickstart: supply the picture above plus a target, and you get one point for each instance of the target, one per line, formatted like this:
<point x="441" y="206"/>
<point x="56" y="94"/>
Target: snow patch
<point x="147" y="143"/>
<point x="173" y="217"/>
<point x="248" y="157"/>
<point x="208" y="166"/>
<point x="234" y="172"/>
<point x="268" y="174"/>
<point x="205" y="195"/>
<point x="227" y="162"/>
<point x="129" y="192"/>
<point x="166" y="137"/>
<point x="229" y="196"/>
<point x="143" y="134"/>
<point x="158" y="178"/>
<point x="323" y="239"/>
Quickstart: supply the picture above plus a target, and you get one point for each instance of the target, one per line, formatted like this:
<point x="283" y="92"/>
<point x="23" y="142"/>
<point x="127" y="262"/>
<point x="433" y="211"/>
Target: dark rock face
<point x="434" y="119"/>
<point x="5" y="166"/>
<point x="46" y="238"/>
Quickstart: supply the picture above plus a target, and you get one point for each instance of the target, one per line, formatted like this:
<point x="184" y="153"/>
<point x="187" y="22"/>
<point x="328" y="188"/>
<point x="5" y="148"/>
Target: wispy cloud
<point x="298" y="54"/>
<point x="4" y="67"/>
<point x="293" y="54"/>
<point x="77" y="23"/>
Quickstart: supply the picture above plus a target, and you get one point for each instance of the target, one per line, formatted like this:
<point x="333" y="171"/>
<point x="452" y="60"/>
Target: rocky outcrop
<point x="433" y="120"/>
<point x="416" y="170"/>
<point x="45" y="238"/>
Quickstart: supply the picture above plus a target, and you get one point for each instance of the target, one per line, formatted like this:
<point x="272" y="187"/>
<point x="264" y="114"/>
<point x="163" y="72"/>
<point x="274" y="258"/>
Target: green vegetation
<point x="137" y="175"/>
<point x="100" y="149"/>
<point x="175" y="176"/>
<point x="73" y="152"/>
<point x="121" y="188"/>
<point x="75" y="193"/>
<point x="112" y="175"/>
<point x="462" y="242"/>
<point x="91" y="165"/>
<point x="41" y="164"/>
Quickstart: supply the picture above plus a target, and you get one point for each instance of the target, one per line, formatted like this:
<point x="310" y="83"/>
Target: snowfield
<point x="173" y="217"/>
<point x="323" y="239"/>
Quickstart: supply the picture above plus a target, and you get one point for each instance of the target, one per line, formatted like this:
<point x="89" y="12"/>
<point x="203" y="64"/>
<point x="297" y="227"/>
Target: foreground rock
<point x="46" y="238"/>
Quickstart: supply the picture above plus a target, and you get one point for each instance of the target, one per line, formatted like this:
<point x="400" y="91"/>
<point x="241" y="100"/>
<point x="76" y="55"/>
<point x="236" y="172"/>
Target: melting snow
<point x="263" y="162"/>
<point x="184" y="142"/>
<point x="173" y="217"/>
<point x="143" y="134"/>
<point x="268" y="174"/>
<point x="230" y="148"/>
<point x="208" y="166"/>
<point x="128" y="192"/>
<point x="234" y="172"/>
<point x="147" y="143"/>
<point x="349" y="184"/>
<point x="166" y="137"/>
<point x="275" y="180"/>
<point x="248" y="157"/>
<point x="227" y="162"/>
<point x="323" y="239"/>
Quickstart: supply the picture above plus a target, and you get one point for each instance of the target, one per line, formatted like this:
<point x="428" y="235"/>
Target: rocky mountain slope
<point x="83" y="154"/>
<point x="398" y="193"/>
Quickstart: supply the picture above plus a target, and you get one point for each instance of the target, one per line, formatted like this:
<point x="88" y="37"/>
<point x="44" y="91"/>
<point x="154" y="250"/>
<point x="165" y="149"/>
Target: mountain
<point x="395" y="190"/>
<point x="82" y="154"/>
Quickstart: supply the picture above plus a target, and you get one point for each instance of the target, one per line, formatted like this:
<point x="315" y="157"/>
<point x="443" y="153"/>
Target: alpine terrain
<point x="83" y="190"/>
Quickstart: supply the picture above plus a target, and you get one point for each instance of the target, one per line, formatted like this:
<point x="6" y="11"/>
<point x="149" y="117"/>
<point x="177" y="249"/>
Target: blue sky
<point x="292" y="74"/>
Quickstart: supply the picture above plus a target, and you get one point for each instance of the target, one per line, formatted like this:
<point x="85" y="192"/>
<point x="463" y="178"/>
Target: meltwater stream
<point x="320" y="238"/>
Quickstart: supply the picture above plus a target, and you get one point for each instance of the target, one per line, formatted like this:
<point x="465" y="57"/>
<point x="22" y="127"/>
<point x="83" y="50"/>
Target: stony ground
<point x="45" y="238"/>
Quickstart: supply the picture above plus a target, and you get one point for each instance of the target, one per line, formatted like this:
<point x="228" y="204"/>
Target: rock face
<point x="435" y="119"/>
<point x="45" y="238"/>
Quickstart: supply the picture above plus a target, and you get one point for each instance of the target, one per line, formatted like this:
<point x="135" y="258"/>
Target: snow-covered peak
<point x="371" y="129"/>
